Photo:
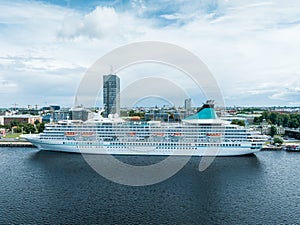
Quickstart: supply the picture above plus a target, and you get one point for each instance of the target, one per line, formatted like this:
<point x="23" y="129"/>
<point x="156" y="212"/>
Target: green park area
<point x="14" y="135"/>
<point x="15" y="129"/>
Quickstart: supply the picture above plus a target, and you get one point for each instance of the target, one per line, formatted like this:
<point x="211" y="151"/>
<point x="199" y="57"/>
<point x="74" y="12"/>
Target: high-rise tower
<point x="111" y="94"/>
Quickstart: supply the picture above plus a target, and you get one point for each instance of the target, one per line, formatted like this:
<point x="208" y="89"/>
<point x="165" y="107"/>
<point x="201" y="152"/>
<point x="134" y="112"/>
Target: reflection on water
<point x="48" y="187"/>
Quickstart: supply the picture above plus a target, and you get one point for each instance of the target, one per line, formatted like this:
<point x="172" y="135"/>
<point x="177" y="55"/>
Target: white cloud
<point x="101" y="22"/>
<point x="252" y="47"/>
<point x="176" y="16"/>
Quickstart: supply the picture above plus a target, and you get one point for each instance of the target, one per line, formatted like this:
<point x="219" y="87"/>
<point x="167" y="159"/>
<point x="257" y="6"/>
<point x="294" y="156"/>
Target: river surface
<point x="50" y="187"/>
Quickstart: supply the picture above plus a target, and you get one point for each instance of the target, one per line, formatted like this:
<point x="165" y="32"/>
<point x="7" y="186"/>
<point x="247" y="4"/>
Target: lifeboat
<point x="70" y="134"/>
<point x="214" y="134"/>
<point x="132" y="133"/>
<point x="87" y="134"/>
<point x="135" y="118"/>
<point x="159" y="134"/>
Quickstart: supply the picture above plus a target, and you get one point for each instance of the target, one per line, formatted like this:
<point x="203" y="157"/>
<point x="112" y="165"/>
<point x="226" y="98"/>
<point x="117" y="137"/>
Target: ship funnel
<point x="207" y="111"/>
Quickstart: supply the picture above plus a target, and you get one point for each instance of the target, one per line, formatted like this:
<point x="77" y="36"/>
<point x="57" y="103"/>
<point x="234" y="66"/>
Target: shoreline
<point x="15" y="143"/>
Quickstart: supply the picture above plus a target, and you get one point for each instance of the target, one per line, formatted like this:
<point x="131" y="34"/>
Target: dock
<point x="16" y="144"/>
<point x="271" y="148"/>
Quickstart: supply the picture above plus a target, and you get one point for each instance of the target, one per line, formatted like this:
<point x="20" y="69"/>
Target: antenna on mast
<point x="76" y="101"/>
<point x="15" y="106"/>
<point x="111" y="69"/>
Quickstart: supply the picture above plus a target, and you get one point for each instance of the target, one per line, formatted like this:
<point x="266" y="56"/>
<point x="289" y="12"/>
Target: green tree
<point x="257" y="120"/>
<point x="14" y="123"/>
<point x="291" y="120"/>
<point x="273" y="117"/>
<point x="265" y="115"/>
<point x="294" y="123"/>
<point x="40" y="127"/>
<point x="286" y="119"/>
<point x="238" y="122"/>
<point x="131" y="113"/>
<point x="241" y="123"/>
<point x="29" y="128"/>
<point x="235" y="121"/>
<point x="277" y="140"/>
<point x="273" y="131"/>
<point x="7" y="126"/>
<point x="18" y="129"/>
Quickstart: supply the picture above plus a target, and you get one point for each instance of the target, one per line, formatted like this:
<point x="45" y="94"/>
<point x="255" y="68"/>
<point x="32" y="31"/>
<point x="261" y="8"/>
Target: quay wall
<point x="16" y="144"/>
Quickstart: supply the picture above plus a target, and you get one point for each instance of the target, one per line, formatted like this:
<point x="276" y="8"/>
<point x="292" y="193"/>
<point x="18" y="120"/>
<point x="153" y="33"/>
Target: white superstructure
<point x="200" y="134"/>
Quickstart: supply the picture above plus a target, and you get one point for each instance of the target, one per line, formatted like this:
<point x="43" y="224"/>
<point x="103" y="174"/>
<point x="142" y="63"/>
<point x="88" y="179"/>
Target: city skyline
<point x="251" y="47"/>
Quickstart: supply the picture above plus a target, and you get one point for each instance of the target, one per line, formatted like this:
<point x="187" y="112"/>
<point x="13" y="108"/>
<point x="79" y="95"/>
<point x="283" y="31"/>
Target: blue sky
<point x="251" y="47"/>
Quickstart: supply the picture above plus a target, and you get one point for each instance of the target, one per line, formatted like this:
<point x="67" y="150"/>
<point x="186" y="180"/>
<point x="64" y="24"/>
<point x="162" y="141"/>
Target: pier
<point x="272" y="148"/>
<point x="16" y="144"/>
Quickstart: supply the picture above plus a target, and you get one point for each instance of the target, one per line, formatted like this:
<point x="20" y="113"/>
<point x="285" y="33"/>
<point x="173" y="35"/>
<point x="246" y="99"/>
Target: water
<point x="49" y="187"/>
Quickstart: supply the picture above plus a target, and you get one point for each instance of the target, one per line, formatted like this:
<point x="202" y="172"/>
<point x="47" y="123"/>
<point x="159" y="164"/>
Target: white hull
<point x="141" y="150"/>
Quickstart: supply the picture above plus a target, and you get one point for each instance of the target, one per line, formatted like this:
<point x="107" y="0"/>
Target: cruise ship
<point x="201" y="134"/>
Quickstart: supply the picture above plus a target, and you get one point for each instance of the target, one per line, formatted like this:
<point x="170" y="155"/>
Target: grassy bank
<point x="14" y="135"/>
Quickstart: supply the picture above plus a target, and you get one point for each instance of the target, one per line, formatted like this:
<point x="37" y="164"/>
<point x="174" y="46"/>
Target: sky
<point x="251" y="47"/>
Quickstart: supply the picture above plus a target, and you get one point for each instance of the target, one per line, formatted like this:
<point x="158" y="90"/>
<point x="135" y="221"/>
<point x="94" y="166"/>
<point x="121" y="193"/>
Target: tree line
<point x="238" y="122"/>
<point x="291" y="120"/>
<point x="27" y="128"/>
